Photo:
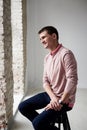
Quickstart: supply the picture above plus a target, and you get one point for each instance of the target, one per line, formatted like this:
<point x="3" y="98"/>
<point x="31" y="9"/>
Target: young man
<point x="59" y="82"/>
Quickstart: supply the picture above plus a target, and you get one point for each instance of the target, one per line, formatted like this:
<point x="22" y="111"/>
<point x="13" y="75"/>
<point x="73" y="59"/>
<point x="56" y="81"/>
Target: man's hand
<point x="54" y="104"/>
<point x="56" y="108"/>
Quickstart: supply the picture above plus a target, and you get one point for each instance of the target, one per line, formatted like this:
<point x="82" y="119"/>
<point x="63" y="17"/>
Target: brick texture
<point x="18" y="46"/>
<point x="12" y="56"/>
<point x="6" y="75"/>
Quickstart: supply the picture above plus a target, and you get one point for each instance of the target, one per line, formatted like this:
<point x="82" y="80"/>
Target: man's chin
<point x="45" y="46"/>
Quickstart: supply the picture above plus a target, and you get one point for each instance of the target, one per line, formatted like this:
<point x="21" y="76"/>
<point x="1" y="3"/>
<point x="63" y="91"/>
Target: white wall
<point x="70" y="18"/>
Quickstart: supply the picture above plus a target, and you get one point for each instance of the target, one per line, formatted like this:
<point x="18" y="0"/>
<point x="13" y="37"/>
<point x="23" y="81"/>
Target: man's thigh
<point x="38" y="101"/>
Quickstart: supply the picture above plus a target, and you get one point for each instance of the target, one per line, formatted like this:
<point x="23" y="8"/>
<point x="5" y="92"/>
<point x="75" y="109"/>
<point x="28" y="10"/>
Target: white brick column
<point x="6" y="76"/>
<point x="18" y="43"/>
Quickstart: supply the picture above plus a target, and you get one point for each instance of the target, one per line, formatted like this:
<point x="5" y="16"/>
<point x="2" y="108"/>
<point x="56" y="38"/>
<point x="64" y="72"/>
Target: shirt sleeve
<point x="45" y="77"/>
<point x="70" y="66"/>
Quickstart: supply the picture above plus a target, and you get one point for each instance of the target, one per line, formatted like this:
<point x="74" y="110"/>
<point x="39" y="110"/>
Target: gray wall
<point x="70" y="18"/>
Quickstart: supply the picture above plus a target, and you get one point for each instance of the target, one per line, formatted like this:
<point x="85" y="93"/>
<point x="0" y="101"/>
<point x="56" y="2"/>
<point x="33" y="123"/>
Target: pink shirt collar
<point x="56" y="50"/>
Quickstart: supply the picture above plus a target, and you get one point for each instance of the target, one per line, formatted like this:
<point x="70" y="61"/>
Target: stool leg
<point x="66" y="124"/>
<point x="59" y="126"/>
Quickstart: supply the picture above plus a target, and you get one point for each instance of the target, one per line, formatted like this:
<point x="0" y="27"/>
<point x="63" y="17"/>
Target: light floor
<point x="77" y="117"/>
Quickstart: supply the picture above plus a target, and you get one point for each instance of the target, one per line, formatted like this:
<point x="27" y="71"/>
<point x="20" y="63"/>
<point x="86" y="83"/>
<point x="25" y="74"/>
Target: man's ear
<point x="54" y="36"/>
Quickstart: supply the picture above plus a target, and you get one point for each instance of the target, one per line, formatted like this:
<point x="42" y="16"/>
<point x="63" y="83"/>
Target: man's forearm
<point x="54" y="102"/>
<point x="65" y="97"/>
<point x="49" y="92"/>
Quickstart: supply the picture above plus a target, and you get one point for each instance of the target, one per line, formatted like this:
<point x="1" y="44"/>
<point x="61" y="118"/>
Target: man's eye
<point x="43" y="37"/>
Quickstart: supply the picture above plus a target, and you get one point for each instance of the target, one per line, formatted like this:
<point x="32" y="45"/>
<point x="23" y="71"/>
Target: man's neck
<point x="54" y="47"/>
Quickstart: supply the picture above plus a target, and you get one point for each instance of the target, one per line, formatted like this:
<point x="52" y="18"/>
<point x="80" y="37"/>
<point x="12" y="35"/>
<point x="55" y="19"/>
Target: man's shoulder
<point x="65" y="50"/>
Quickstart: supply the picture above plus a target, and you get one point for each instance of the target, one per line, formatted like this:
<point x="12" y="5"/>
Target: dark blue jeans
<point x="40" y="121"/>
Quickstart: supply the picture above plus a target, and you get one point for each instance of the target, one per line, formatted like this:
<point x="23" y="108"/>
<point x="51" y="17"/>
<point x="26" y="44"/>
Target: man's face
<point x="46" y="39"/>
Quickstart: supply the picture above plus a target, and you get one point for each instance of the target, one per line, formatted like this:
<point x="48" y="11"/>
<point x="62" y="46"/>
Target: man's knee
<point x="21" y="107"/>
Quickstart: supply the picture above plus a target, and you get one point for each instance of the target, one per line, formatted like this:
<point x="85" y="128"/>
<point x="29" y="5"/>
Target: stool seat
<point x="62" y="119"/>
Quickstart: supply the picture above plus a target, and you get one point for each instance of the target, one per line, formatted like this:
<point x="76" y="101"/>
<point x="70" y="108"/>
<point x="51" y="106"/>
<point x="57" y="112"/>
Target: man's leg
<point x="44" y="119"/>
<point x="40" y="121"/>
<point x="28" y="107"/>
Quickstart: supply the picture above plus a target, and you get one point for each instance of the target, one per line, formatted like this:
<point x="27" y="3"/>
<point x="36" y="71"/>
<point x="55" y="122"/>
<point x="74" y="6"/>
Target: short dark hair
<point x="50" y="30"/>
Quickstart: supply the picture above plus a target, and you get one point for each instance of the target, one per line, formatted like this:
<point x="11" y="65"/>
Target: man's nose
<point x="42" y="41"/>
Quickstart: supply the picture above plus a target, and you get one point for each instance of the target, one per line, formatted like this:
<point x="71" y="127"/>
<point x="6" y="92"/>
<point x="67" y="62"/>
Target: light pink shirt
<point x="60" y="72"/>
